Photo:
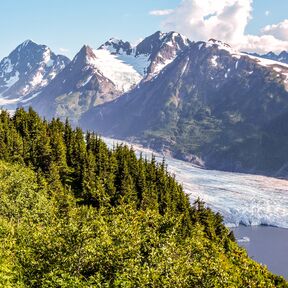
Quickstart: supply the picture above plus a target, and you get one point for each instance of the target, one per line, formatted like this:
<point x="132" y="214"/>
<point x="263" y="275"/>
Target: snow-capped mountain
<point x="27" y="70"/>
<point x="161" y="49"/>
<point x="117" y="46"/>
<point x="213" y="102"/>
<point x="151" y="55"/>
<point x="77" y="88"/>
<point x="203" y="102"/>
<point x="107" y="72"/>
<point x="282" y="57"/>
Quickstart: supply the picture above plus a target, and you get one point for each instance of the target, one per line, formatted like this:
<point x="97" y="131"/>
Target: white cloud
<point x="262" y="44"/>
<point x="267" y="13"/>
<point x="161" y="12"/>
<point x="201" y="20"/>
<point x="279" y="30"/>
<point x="63" y="50"/>
<point x="225" y="20"/>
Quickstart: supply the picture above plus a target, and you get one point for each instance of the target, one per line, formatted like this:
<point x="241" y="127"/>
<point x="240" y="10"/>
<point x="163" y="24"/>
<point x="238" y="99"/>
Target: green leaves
<point x="79" y="215"/>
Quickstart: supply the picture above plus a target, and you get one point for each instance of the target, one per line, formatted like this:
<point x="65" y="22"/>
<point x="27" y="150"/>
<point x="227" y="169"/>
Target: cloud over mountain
<point x="225" y="20"/>
<point x="279" y="30"/>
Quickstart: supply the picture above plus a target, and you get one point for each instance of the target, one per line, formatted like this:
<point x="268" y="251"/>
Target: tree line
<point x="74" y="213"/>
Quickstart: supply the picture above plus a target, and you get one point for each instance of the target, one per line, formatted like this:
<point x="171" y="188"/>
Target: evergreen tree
<point x="75" y="214"/>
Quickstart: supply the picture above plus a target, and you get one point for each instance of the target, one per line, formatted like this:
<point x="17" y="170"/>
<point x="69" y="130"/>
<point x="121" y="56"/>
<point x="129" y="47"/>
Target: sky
<point x="65" y="26"/>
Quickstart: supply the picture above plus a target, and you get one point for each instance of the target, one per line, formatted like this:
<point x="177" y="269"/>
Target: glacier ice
<point x="241" y="198"/>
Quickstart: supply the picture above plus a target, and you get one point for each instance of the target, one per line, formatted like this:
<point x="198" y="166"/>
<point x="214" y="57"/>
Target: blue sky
<point x="69" y="24"/>
<point x="278" y="11"/>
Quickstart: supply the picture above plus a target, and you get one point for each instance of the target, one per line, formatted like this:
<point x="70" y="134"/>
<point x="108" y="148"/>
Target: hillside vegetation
<point x="75" y="214"/>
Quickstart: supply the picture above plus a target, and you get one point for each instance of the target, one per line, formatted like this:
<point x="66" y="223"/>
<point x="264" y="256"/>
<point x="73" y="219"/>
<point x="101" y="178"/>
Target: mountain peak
<point x="26" y="70"/>
<point x="158" y="34"/>
<point x="282" y="57"/>
<point x="85" y="55"/>
<point x="153" y="43"/>
<point x="28" y="44"/>
<point x="283" y="54"/>
<point x="219" y="43"/>
<point x="114" y="40"/>
<point x="86" y="49"/>
<point x="117" y="46"/>
<point x="271" y="54"/>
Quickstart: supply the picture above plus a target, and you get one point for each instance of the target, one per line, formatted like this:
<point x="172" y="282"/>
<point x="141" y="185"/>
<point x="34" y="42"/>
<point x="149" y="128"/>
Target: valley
<point x="242" y="199"/>
<point x="201" y="102"/>
<point x="144" y="144"/>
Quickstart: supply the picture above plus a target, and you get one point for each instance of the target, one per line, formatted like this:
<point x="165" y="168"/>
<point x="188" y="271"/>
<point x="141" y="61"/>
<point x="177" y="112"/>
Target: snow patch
<point x="86" y="81"/>
<point x="37" y="79"/>
<point x="12" y="80"/>
<point x="122" y="74"/>
<point x="7" y="66"/>
<point x="30" y="98"/>
<point x="140" y="63"/>
<point x="52" y="75"/>
<point x="265" y="62"/>
<point x="47" y="55"/>
<point x="184" y="67"/>
<point x="200" y="46"/>
<point x="214" y="61"/>
<point x="49" y="63"/>
<point x="161" y="66"/>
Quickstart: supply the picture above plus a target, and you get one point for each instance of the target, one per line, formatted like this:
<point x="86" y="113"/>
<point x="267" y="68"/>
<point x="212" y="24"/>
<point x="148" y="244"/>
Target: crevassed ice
<point x="240" y="198"/>
<point x="123" y="75"/>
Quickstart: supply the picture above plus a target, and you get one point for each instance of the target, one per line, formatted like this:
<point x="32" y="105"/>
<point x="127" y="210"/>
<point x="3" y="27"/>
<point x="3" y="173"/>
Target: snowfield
<point x="122" y="74"/>
<point x="240" y="198"/>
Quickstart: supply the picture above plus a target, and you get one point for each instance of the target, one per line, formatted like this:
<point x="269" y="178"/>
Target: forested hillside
<point x="75" y="214"/>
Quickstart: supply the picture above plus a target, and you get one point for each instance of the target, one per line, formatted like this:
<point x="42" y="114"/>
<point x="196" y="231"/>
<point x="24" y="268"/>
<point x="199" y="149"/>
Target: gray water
<point x="266" y="245"/>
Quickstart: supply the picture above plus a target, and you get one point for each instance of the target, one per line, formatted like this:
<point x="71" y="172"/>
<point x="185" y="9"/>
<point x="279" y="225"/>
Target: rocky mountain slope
<point x="224" y="107"/>
<point x="26" y="71"/>
<point x="203" y="102"/>
<point x="77" y="88"/>
<point x="98" y="76"/>
<point x="282" y="57"/>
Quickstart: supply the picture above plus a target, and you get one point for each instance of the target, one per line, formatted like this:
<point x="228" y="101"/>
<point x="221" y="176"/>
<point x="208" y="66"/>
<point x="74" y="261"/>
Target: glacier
<point x="242" y="199"/>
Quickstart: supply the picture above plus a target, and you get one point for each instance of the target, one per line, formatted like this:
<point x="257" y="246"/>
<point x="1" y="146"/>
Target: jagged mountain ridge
<point x="110" y="71"/>
<point x="27" y="70"/>
<point x="78" y="87"/>
<point x="210" y="102"/>
<point x="281" y="57"/>
<point x="152" y="54"/>
<point x="201" y="101"/>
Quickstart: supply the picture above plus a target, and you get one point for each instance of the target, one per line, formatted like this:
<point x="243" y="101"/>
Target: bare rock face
<point x="202" y="102"/>
<point x="282" y="57"/>
<point x="161" y="49"/>
<point x="116" y="46"/>
<point x="98" y="76"/>
<point x="79" y="87"/>
<point x="211" y="102"/>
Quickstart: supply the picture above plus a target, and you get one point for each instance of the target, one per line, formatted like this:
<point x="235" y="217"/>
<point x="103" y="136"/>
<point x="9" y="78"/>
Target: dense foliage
<point x="75" y="214"/>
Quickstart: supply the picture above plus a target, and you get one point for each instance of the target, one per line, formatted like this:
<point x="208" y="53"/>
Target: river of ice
<point x="240" y="198"/>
